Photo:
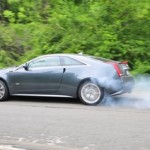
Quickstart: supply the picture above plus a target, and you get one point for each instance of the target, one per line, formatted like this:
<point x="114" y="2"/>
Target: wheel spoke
<point x="2" y="91"/>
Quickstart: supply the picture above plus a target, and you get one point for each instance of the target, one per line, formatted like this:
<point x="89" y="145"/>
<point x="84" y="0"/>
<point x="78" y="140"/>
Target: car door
<point x="43" y="76"/>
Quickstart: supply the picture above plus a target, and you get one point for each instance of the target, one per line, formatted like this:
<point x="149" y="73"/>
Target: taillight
<point x="121" y="68"/>
<point x="116" y="68"/>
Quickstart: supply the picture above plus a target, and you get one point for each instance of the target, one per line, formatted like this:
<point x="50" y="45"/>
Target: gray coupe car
<point x="67" y="75"/>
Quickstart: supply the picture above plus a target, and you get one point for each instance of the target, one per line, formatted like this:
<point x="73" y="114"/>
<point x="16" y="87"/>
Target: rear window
<point x="99" y="58"/>
<point x="67" y="61"/>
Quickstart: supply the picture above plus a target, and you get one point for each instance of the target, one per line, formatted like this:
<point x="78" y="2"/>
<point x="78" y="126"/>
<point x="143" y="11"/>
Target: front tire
<point x="3" y="91"/>
<point x="90" y="93"/>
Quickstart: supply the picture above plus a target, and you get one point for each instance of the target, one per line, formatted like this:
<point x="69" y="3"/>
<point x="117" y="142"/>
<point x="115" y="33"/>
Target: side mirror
<point x="26" y="66"/>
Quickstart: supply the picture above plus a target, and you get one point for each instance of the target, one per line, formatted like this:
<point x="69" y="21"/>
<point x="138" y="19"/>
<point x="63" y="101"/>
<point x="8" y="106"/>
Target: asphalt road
<point x="120" y="123"/>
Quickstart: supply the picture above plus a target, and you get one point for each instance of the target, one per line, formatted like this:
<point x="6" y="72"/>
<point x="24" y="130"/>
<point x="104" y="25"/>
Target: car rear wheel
<point x="90" y="93"/>
<point x="3" y="91"/>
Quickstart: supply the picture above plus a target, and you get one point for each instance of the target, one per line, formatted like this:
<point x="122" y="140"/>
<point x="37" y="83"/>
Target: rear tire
<point x="90" y="93"/>
<point x="3" y="91"/>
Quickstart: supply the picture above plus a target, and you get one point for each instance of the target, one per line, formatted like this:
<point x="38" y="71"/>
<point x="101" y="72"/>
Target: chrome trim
<point x="117" y="93"/>
<point x="42" y="95"/>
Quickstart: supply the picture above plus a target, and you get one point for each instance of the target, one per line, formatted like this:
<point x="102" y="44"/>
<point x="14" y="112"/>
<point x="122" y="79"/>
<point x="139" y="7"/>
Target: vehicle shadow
<point x="122" y="101"/>
<point x="45" y="100"/>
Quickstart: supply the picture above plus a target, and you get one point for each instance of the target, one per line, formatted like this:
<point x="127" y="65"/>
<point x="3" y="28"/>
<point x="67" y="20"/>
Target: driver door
<point x="42" y="76"/>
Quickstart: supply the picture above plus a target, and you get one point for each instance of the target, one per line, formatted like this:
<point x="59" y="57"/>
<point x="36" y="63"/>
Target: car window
<point x="45" y="62"/>
<point x="67" y="61"/>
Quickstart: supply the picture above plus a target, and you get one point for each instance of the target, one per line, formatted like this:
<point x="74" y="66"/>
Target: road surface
<point x="120" y="123"/>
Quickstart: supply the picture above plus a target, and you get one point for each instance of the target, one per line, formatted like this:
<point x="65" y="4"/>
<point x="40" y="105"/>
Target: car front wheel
<point x="90" y="93"/>
<point x="3" y="91"/>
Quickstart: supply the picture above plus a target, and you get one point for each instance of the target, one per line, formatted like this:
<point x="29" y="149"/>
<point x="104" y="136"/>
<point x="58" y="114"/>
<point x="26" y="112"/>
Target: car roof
<point x="76" y="56"/>
<point x="73" y="55"/>
<point x="80" y="56"/>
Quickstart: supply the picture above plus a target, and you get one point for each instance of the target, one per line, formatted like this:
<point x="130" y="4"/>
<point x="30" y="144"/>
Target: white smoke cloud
<point x="138" y="98"/>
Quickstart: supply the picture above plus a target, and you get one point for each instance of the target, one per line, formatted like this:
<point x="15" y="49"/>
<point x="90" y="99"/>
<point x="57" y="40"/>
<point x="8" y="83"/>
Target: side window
<point x="45" y="62"/>
<point x="67" y="61"/>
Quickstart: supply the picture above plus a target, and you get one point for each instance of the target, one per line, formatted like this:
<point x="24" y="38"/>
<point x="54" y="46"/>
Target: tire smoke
<point x="138" y="98"/>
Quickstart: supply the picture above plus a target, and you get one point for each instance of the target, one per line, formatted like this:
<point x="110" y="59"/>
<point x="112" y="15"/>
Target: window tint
<point x="45" y="62"/>
<point x="70" y="61"/>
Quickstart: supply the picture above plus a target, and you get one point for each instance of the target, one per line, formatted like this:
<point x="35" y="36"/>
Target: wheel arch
<point x="1" y="79"/>
<point x="83" y="81"/>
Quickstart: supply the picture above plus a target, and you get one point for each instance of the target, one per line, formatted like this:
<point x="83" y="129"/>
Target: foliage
<point x="113" y="29"/>
<point x="5" y="58"/>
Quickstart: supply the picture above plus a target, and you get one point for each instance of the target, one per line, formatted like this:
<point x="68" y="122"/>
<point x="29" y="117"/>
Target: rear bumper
<point x="125" y="85"/>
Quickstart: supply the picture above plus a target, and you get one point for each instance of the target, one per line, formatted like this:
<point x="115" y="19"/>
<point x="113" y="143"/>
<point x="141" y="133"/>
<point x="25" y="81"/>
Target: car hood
<point x="5" y="70"/>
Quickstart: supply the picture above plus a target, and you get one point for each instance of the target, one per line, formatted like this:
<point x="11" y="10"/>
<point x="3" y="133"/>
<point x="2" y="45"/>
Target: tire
<point x="90" y="93"/>
<point x="3" y="91"/>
